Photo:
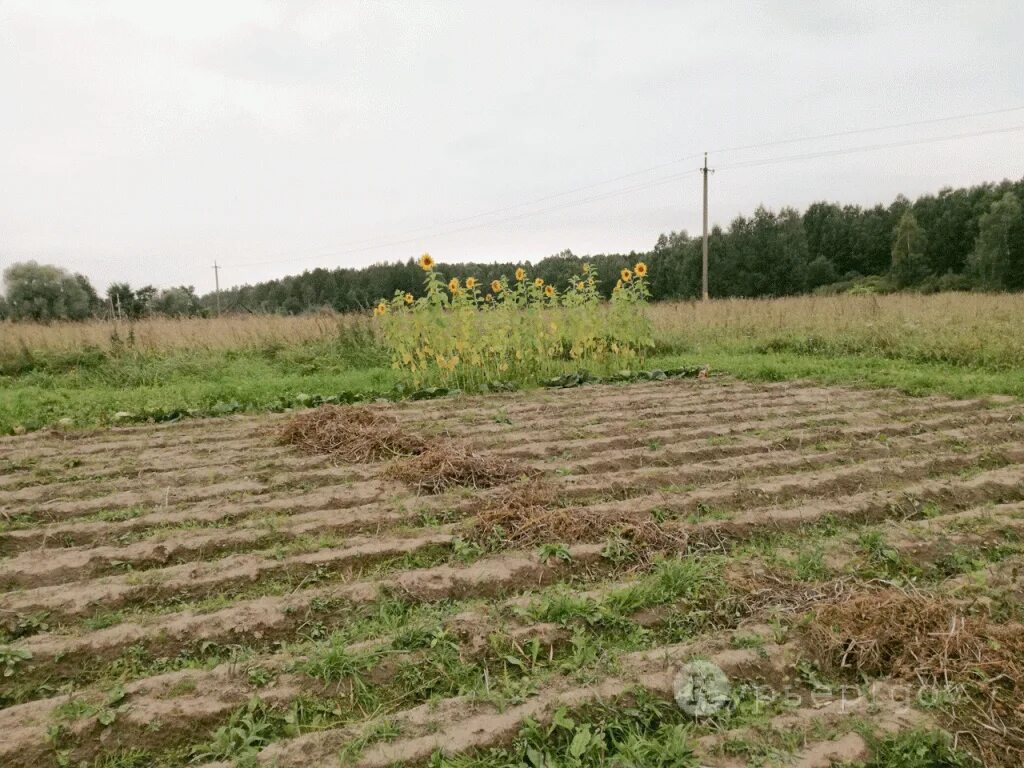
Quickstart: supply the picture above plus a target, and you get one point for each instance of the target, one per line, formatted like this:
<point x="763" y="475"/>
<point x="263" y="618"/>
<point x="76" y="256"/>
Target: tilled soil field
<point x="203" y="594"/>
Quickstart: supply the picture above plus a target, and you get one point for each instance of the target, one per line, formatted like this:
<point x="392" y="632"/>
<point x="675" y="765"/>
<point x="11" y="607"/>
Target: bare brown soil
<point x="124" y="552"/>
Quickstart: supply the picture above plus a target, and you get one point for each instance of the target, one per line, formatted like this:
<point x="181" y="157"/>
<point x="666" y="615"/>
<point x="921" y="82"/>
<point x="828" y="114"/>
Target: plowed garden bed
<point x="201" y="593"/>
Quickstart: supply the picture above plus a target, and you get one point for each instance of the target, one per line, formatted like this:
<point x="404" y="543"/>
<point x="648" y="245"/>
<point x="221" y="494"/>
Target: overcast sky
<point x="141" y="140"/>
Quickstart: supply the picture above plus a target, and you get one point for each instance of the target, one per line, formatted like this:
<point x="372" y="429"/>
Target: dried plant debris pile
<point x="358" y="434"/>
<point x="516" y="579"/>
<point x="528" y="513"/>
<point x="931" y="641"/>
<point x="352" y="434"/>
<point x="445" y="464"/>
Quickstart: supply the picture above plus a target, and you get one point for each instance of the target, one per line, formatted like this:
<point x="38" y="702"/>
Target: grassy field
<point x="521" y="580"/>
<point x="99" y="373"/>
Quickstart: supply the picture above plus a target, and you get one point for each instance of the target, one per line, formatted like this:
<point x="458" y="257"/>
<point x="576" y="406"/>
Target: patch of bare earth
<point x="156" y="580"/>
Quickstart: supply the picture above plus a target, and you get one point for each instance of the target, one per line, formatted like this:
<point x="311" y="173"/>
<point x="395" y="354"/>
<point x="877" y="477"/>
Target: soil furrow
<point x="193" y="580"/>
<point x="267" y="619"/>
<point x="182" y="570"/>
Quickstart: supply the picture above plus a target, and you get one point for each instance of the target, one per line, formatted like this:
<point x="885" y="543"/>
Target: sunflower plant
<point x="513" y="331"/>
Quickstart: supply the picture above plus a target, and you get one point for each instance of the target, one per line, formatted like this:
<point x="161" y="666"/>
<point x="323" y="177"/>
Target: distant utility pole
<point x="704" y="262"/>
<point x="216" y="276"/>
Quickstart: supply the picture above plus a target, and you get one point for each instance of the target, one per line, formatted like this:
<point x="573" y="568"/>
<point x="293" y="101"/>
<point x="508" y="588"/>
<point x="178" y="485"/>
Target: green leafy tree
<point x="121" y="299"/>
<point x="820" y="272"/>
<point x="909" y="266"/>
<point x="775" y="253"/>
<point x="999" y="247"/>
<point x="131" y="304"/>
<point x="176" y="302"/>
<point x="45" y="293"/>
<point x="760" y="255"/>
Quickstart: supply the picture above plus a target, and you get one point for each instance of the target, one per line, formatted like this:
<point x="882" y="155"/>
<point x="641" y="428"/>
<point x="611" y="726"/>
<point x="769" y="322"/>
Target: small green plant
<point x="561" y="605"/>
<point x="747" y="640"/>
<point x="23" y="626"/>
<point x="385" y="730"/>
<point x="670" y="579"/>
<point x="12" y="658"/>
<point x="550" y="551"/>
<point x="618" y="550"/>
<point x="259" y="676"/>
<point x="661" y="514"/>
<point x="882" y="557"/>
<point x="248" y="730"/>
<point x="332" y="662"/>
<point x="811" y="677"/>
<point x="182" y="687"/>
<point x="466" y="551"/>
<point x="73" y="709"/>
<point x="916" y="749"/>
<point x="809" y="564"/>
<point x="645" y="732"/>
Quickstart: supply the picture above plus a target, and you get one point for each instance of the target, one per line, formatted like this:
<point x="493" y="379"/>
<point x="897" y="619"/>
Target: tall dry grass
<point x="161" y="334"/>
<point x="957" y="328"/>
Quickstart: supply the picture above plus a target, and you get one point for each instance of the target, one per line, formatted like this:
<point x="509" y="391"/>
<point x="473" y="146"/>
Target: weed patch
<point x="634" y="730"/>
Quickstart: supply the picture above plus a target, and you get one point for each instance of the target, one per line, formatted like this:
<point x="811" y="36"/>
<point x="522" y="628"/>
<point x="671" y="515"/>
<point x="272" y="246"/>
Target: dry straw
<point x="527" y="513"/>
<point x="351" y="433"/>
<point x="931" y="640"/>
<point x="364" y="434"/>
<point x="445" y="465"/>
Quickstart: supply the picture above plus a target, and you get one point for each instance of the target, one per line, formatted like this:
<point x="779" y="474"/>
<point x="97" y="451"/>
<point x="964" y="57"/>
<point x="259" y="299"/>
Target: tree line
<point x="959" y="239"/>
<point x="44" y="293"/>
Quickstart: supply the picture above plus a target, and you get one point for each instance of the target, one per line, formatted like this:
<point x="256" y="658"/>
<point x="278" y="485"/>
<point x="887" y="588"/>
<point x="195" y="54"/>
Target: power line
<point x="417" y="235"/>
<point x="492" y="212"/>
<point x="875" y="129"/>
<point x="869" y="148"/>
<point x="525" y="214"/>
<point x="482" y="214"/>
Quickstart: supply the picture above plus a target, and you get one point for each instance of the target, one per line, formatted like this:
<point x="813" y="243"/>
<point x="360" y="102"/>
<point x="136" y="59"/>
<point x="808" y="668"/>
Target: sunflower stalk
<point x="519" y="332"/>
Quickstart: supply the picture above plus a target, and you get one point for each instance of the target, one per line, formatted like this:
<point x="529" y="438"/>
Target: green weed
<point x="643" y="732"/>
<point x="916" y="749"/>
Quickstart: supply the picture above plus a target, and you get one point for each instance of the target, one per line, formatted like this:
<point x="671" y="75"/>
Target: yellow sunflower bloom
<point x="488" y="298"/>
<point x="426" y="262"/>
<point x="579" y="286"/>
<point x="626" y="275"/>
<point x="471" y="283"/>
<point x="539" y="282"/>
<point x="520" y="274"/>
<point x="408" y="298"/>
<point x="549" y="291"/>
<point x="381" y="309"/>
<point x="586" y="268"/>
<point x="496" y="286"/>
<point x="640" y="269"/>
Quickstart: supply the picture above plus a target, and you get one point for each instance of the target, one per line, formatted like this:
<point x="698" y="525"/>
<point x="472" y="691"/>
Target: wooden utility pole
<point x="704" y="261"/>
<point x="216" y="281"/>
